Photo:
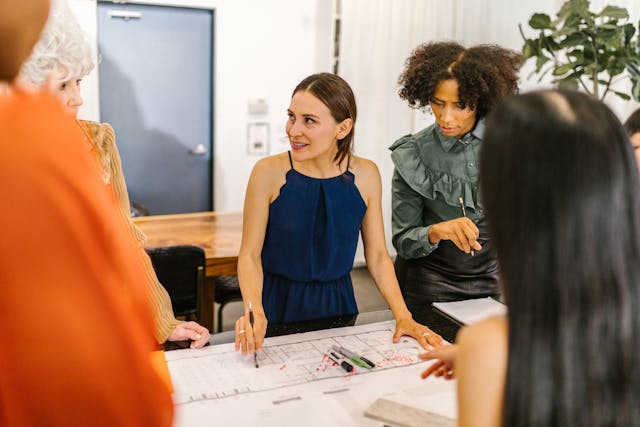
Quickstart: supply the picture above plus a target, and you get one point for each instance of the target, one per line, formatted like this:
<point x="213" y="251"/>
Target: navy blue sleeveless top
<point x="309" y="248"/>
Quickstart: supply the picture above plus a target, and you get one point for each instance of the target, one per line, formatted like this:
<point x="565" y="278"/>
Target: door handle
<point x="200" y="150"/>
<point x="124" y="14"/>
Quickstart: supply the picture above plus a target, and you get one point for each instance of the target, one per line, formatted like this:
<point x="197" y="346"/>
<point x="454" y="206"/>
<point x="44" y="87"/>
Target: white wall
<point x="377" y="37"/>
<point x="496" y="21"/>
<point x="263" y="48"/>
<point x="85" y="12"/>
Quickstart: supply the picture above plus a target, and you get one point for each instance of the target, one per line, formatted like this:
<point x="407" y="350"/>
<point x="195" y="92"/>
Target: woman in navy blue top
<point x="303" y="212"/>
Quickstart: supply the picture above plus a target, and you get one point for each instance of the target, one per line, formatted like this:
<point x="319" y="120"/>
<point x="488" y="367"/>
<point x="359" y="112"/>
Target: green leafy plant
<point x="585" y="49"/>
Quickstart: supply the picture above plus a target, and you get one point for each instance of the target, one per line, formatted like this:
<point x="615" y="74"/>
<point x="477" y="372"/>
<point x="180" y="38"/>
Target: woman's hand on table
<point x="198" y="334"/>
<point x="443" y="366"/>
<point x="425" y="336"/>
<point x="250" y="339"/>
<point x="461" y="231"/>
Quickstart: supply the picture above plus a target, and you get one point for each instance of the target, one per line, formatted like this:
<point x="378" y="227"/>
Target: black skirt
<point x="448" y="274"/>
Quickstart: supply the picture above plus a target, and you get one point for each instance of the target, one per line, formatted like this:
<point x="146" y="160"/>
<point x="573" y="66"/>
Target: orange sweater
<point x="102" y="139"/>
<point x="74" y="319"/>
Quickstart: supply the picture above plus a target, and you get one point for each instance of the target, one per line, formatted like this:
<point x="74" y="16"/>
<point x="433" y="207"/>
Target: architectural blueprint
<point x="297" y="380"/>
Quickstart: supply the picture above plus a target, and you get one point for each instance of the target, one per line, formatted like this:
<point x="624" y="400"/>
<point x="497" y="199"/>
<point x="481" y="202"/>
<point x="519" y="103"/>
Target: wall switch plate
<point x="258" y="139"/>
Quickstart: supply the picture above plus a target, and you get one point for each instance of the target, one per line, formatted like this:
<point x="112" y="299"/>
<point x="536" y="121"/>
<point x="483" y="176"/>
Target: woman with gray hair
<point x="61" y="58"/>
<point x="63" y="54"/>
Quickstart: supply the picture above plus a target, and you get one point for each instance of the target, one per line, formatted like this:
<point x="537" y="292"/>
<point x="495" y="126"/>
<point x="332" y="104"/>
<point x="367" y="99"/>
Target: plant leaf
<point x="578" y="7"/>
<point x="570" y="82"/>
<point x="540" y="61"/>
<point x="615" y="65"/>
<point x="629" y="31"/>
<point x="573" y="21"/>
<point x="528" y="50"/>
<point x="579" y="46"/>
<point x="622" y="95"/>
<point x="549" y="43"/>
<point x="575" y="75"/>
<point x="575" y="39"/>
<point x="562" y="69"/>
<point x="581" y="7"/>
<point x="614" y="12"/>
<point x="634" y="70"/>
<point x="540" y="21"/>
<point x="569" y="28"/>
<point x="577" y="55"/>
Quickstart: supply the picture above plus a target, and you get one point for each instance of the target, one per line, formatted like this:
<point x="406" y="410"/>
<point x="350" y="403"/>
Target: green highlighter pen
<point x="352" y="357"/>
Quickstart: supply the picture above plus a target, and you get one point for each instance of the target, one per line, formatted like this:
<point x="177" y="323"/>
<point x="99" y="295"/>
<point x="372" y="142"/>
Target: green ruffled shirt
<point x="432" y="171"/>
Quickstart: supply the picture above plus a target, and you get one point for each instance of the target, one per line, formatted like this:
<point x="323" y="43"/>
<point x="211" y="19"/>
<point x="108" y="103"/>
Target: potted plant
<point x="585" y="49"/>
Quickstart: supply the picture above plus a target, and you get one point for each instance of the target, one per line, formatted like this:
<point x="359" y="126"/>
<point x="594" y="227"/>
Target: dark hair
<point x="632" y="125"/>
<point x="336" y="94"/>
<point x="485" y="74"/>
<point x="561" y="192"/>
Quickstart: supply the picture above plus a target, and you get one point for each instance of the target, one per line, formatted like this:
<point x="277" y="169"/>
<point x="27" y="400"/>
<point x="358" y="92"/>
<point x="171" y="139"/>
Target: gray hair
<point x="63" y="47"/>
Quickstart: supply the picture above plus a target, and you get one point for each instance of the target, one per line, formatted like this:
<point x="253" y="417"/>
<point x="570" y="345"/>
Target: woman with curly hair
<point x="438" y="223"/>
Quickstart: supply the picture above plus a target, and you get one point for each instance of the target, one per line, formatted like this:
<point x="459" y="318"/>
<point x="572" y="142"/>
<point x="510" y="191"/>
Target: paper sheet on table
<point x="401" y="414"/>
<point x="472" y="310"/>
<point x="297" y="383"/>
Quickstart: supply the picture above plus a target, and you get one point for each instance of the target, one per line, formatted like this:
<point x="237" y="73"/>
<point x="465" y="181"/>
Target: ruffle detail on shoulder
<point x="409" y="163"/>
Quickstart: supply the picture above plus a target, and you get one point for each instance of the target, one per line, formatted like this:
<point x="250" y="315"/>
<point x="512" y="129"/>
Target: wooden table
<point x="218" y="233"/>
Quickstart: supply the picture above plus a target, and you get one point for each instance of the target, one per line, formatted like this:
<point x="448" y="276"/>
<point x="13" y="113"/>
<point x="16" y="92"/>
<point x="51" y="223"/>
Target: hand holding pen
<point x="461" y="231"/>
<point x="255" y="350"/>
<point x="250" y="331"/>
<point x="464" y="214"/>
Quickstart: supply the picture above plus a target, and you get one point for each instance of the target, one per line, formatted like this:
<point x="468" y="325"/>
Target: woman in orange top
<point x="74" y="316"/>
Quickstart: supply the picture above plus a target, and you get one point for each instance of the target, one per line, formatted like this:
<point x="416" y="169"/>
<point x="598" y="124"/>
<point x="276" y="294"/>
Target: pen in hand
<point x="255" y="351"/>
<point x="464" y="214"/>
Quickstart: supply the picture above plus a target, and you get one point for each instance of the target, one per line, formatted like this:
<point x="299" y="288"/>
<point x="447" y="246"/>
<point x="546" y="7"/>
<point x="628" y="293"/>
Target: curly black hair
<point x="485" y="74"/>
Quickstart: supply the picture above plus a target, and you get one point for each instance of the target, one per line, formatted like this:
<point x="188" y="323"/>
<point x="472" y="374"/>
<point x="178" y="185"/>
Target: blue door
<point x="156" y="91"/>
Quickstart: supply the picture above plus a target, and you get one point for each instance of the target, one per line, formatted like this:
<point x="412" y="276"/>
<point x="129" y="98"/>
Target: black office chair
<point x="227" y="289"/>
<point x="180" y="269"/>
<point x="137" y="209"/>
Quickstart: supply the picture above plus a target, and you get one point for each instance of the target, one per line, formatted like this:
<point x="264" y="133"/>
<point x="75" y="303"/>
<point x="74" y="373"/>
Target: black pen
<point x="356" y="359"/>
<point x="464" y="214"/>
<point x="255" y="351"/>
<point x="343" y="364"/>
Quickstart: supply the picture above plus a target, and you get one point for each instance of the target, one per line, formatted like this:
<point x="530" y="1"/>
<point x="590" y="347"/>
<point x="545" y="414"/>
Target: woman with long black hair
<point x="563" y="204"/>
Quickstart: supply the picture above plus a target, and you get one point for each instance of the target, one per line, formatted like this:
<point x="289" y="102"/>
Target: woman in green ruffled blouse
<point x="438" y="224"/>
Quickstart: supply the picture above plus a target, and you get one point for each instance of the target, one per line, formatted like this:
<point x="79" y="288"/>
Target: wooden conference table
<point x="218" y="233"/>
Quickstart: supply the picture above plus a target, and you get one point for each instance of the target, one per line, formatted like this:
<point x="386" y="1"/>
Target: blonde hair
<point x="63" y="47"/>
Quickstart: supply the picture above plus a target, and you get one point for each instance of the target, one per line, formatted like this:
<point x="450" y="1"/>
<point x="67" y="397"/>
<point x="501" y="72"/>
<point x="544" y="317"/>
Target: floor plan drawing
<point x="219" y="372"/>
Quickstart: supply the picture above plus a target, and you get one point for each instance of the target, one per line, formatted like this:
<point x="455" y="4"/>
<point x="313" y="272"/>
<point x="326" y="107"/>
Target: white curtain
<point x="378" y="35"/>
